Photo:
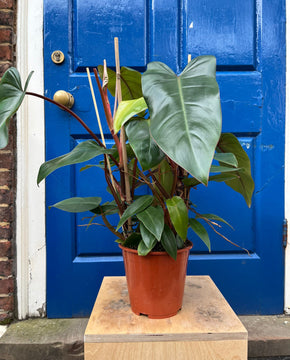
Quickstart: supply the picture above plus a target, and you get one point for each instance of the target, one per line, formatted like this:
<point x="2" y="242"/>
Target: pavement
<point x="62" y="339"/>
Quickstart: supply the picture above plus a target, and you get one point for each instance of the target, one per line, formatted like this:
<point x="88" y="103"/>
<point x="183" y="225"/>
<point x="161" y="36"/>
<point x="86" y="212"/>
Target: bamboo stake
<point x="100" y="126"/>
<point x="118" y="94"/>
<point x="122" y="136"/>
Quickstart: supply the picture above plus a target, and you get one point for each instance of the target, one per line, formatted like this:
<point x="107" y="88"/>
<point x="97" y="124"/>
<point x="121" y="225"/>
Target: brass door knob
<point x="64" y="98"/>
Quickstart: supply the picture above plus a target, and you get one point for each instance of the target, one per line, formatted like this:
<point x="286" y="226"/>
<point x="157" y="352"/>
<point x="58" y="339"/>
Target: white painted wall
<point x="31" y="250"/>
<point x="30" y="201"/>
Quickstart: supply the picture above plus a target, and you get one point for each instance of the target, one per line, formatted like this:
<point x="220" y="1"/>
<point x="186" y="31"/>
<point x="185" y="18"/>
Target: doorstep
<point x="62" y="339"/>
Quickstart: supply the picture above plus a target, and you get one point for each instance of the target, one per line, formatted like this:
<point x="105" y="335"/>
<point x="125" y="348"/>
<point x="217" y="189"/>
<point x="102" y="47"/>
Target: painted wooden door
<point x="248" y="39"/>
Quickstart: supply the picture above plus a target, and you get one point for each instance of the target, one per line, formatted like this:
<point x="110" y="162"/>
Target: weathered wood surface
<point x="206" y="328"/>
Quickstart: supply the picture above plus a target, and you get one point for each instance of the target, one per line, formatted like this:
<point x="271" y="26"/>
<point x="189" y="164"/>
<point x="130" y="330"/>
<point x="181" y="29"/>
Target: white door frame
<point x="30" y="199"/>
<point x="30" y="203"/>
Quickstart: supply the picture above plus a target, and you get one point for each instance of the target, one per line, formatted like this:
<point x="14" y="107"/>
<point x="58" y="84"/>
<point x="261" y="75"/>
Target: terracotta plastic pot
<point x="155" y="282"/>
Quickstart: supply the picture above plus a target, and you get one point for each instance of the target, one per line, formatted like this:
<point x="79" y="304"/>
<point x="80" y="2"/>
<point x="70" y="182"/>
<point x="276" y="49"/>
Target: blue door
<point x="248" y="39"/>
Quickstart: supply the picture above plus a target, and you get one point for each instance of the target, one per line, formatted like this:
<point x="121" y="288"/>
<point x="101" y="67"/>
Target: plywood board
<point x="205" y="316"/>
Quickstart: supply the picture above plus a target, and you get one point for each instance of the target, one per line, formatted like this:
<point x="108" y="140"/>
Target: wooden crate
<point x="205" y="329"/>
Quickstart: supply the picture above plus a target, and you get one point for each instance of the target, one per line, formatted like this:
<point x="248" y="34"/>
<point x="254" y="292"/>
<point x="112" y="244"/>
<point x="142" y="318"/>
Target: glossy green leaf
<point x="226" y="158"/>
<point x="168" y="241"/>
<point x="214" y="217"/>
<point x="84" y="151"/>
<point x="244" y="184"/>
<point x="148" y="238"/>
<point x="153" y="219"/>
<point x="143" y="250"/>
<point x="136" y="207"/>
<point x="143" y="145"/>
<point x="130" y="82"/>
<point x="223" y="169"/>
<point x="78" y="204"/>
<point x="185" y="113"/>
<point x="11" y="97"/>
<point x="127" y="110"/>
<point x="178" y="215"/>
<point x="200" y="231"/>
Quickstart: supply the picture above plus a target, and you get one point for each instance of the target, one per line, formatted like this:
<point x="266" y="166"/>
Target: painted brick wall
<point x="7" y="172"/>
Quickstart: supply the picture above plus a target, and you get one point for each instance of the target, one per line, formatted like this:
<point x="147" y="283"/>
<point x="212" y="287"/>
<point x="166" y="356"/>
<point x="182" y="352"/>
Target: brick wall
<point x="7" y="173"/>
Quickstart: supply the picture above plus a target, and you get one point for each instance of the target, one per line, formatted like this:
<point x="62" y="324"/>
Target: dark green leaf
<point x="226" y="158"/>
<point x="222" y="169"/>
<point x="108" y="208"/>
<point x="11" y="97"/>
<point x="145" y="148"/>
<point x="200" y="231"/>
<point x="78" y="204"/>
<point x="153" y="219"/>
<point x="165" y="176"/>
<point x="130" y="82"/>
<point x="244" y="184"/>
<point x="148" y="238"/>
<point x="136" y="207"/>
<point x="168" y="241"/>
<point x="84" y="151"/>
<point x="224" y="177"/>
<point x="179" y="242"/>
<point x="132" y="241"/>
<point x="143" y="250"/>
<point x="185" y="113"/>
<point x="178" y="215"/>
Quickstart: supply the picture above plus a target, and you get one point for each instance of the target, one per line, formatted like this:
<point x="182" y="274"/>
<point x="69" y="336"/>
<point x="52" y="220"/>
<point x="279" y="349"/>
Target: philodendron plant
<point x="167" y="133"/>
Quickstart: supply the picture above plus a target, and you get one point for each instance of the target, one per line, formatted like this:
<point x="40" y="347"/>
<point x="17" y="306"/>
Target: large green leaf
<point x="85" y="151"/>
<point x="130" y="82"/>
<point x="244" y="184"/>
<point x="136" y="207"/>
<point x="168" y="241"/>
<point x="185" y="113"/>
<point x="127" y="110"/>
<point x="78" y="204"/>
<point x="11" y="97"/>
<point x="200" y="231"/>
<point x="153" y="219"/>
<point x="142" y="143"/>
<point x="148" y="238"/>
<point x="178" y="215"/>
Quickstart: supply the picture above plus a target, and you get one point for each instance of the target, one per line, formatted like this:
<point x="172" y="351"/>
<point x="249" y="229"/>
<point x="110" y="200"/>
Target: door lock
<point x="64" y="98"/>
<point x="57" y="57"/>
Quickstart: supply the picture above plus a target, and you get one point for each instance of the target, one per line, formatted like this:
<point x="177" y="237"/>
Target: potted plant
<point x="167" y="133"/>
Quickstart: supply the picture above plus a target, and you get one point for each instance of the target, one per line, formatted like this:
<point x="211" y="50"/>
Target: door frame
<point x="30" y="200"/>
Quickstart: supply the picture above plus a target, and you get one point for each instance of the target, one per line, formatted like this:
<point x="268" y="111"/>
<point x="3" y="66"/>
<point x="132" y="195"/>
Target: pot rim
<point x="156" y="253"/>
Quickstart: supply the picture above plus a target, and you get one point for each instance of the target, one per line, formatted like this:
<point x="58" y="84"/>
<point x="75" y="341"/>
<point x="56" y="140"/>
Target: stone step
<point x="62" y="339"/>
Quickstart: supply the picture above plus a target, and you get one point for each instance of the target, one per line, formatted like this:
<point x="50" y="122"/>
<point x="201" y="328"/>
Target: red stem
<point x="94" y="136"/>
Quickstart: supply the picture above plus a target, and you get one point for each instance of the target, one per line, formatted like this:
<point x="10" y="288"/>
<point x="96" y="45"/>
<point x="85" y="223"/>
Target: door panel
<point x="247" y="37"/>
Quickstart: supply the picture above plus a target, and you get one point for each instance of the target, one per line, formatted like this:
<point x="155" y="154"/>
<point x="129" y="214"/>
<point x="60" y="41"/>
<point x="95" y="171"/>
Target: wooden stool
<point x="205" y="329"/>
